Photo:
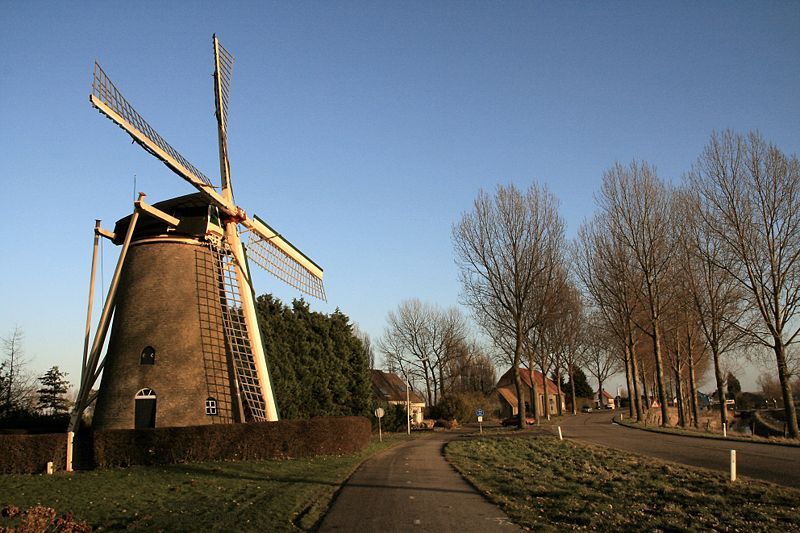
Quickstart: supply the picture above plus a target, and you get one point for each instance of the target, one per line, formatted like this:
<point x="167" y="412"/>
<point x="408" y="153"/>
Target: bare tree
<point x="601" y="357"/>
<point x="418" y="340"/>
<point x="605" y="267"/>
<point x="749" y="199"/>
<point x="639" y="209"/>
<point x="17" y="386"/>
<point x="504" y="248"/>
<point x="717" y="297"/>
<point x="366" y="341"/>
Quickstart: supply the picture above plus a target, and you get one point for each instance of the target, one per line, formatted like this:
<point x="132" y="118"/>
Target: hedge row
<point x="29" y="454"/>
<point x="265" y="440"/>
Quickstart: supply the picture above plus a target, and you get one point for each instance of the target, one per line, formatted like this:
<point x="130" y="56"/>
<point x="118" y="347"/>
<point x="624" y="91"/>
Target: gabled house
<point x="547" y="392"/>
<point x="390" y="388"/>
<point x="605" y="400"/>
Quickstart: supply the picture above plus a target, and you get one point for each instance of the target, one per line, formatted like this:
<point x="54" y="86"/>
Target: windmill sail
<point x="237" y="336"/>
<point x="109" y="101"/>
<point x="269" y="250"/>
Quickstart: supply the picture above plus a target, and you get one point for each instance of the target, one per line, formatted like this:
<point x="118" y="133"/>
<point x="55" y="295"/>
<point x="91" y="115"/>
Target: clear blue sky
<point x="361" y="131"/>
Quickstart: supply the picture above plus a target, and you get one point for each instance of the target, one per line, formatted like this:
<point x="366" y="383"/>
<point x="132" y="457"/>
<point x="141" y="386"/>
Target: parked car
<point x="514" y="420"/>
<point x="586" y="409"/>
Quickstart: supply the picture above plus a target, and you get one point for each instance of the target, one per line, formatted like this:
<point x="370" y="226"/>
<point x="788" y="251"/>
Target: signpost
<point x="479" y="414"/>
<point x="379" y="415"/>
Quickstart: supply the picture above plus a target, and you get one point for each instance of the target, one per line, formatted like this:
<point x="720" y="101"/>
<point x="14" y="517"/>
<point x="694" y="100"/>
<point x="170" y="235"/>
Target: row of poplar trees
<point x="318" y="365"/>
<point x="668" y="273"/>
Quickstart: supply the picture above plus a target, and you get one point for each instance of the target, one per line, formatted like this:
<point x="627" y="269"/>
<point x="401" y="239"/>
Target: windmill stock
<point x="184" y="348"/>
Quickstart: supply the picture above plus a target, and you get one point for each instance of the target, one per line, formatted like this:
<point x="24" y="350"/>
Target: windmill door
<point x="145" y="409"/>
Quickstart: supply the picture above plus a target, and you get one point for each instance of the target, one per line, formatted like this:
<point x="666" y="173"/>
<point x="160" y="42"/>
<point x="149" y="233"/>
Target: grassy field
<point x="276" y="495"/>
<point x="546" y="484"/>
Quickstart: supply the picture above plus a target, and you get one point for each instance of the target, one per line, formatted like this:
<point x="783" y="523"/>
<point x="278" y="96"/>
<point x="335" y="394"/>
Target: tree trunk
<point x="518" y="378"/>
<point x="628" y="381"/>
<point x="720" y="379"/>
<point x="637" y="397"/>
<point x="644" y="389"/>
<point x="572" y="391"/>
<point x="535" y="394"/>
<point x="679" y="396"/>
<point x="662" y="395"/>
<point x="559" y="397"/>
<point x="786" y="389"/>
<point x="693" y="390"/>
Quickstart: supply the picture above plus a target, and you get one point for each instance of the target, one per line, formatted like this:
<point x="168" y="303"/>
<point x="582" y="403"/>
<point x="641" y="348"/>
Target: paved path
<point x="778" y="464"/>
<point x="411" y="487"/>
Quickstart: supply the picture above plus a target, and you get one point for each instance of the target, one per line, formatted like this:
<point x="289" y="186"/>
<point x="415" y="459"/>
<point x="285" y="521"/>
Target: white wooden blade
<point x="109" y="101"/>
<point x="272" y="252"/>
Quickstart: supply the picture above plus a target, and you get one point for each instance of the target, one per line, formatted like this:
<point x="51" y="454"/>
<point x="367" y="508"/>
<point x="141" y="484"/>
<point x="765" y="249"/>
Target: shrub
<point x="29" y="454"/>
<point x="264" y="440"/>
<point x="461" y="406"/>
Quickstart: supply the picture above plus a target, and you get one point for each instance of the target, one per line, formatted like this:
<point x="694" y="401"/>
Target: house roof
<point x="389" y="387"/>
<point x="607" y="396"/>
<point x="507" y="379"/>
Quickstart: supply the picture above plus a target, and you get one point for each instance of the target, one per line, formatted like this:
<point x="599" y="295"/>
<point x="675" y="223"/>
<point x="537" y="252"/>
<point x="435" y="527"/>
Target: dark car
<point x="514" y="420"/>
<point x="586" y="409"/>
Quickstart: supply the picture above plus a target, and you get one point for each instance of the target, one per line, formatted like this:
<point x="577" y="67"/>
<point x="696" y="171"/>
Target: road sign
<point x="480" y="418"/>
<point x="379" y="412"/>
<point x="479" y="412"/>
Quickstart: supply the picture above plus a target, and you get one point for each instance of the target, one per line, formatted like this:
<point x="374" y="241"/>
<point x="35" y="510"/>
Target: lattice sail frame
<point x="105" y="91"/>
<point x="236" y="334"/>
<point x="274" y="260"/>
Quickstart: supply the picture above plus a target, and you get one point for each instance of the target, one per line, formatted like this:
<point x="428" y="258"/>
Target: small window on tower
<point x="148" y="356"/>
<point x="211" y="406"/>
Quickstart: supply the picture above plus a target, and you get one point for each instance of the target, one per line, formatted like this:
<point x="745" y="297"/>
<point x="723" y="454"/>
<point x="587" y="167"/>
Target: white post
<point x="70" y="437"/>
<point x="560" y="436"/>
<point x="380" y="435"/>
<point x="50" y="468"/>
<point x="733" y="465"/>
<point x="724" y="429"/>
<point x="621" y="417"/>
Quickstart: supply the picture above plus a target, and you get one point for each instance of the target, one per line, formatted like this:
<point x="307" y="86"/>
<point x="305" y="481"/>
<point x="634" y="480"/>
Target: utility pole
<point x="408" y="406"/>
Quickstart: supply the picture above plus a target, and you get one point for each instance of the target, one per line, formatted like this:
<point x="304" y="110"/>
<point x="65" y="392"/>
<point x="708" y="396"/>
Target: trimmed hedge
<point x="264" y="440"/>
<point x="29" y="454"/>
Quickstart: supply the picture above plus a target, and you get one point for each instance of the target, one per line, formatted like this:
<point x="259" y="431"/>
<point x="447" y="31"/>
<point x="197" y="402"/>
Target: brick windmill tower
<point x="184" y="347"/>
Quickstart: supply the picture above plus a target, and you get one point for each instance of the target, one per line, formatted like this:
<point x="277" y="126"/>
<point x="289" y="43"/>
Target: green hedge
<point x="29" y="454"/>
<point x="265" y="440"/>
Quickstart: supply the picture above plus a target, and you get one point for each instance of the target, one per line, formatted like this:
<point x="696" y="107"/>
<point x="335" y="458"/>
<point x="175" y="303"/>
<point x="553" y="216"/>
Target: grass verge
<point x="699" y="433"/>
<point x="546" y="484"/>
<point x="273" y="495"/>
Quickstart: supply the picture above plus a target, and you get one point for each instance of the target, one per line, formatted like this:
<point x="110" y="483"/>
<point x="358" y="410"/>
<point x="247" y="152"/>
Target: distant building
<point x="604" y="400"/>
<point x="390" y="388"/>
<point x="507" y="393"/>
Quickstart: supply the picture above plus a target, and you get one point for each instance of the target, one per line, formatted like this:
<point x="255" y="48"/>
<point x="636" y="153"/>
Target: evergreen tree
<point x="318" y="365"/>
<point x="582" y="388"/>
<point x="734" y="387"/>
<point x="51" y="395"/>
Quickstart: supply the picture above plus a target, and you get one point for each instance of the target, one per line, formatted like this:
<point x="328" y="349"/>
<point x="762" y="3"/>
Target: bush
<point x="394" y="417"/>
<point x="461" y="406"/>
<point x="264" y="440"/>
<point x="29" y="454"/>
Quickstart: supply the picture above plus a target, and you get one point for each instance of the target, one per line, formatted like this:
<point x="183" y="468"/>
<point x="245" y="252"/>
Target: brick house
<point x="390" y="388"/>
<point x="547" y="393"/>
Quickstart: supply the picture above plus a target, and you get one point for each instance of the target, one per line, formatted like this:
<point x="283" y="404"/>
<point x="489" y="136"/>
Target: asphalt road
<point x="777" y="464"/>
<point x="411" y="487"/>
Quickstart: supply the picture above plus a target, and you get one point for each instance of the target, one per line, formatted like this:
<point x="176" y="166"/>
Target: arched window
<point x="148" y="356"/>
<point x="211" y="406"/>
<point x="145" y="409"/>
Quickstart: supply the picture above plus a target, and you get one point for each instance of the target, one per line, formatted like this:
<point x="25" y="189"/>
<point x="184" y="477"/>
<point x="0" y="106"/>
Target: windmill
<point x="185" y="348"/>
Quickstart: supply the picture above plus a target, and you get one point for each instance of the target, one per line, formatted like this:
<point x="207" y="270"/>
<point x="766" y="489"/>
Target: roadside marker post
<point x="733" y="465"/>
<point x="725" y="430"/>
<point x="560" y="436"/>
<point x="379" y="415"/>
